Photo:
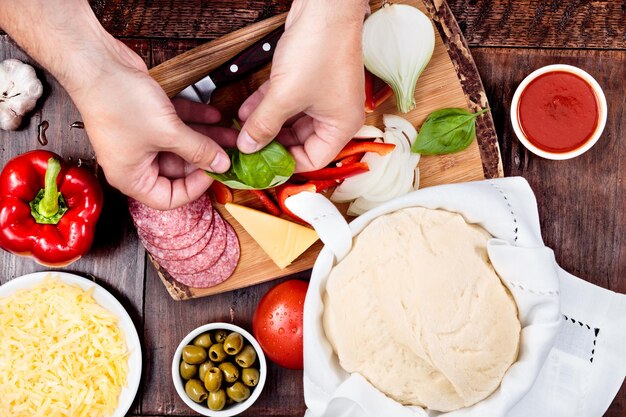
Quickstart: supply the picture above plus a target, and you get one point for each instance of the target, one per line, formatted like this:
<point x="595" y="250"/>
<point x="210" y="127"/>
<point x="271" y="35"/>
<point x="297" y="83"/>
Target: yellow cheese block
<point x="282" y="240"/>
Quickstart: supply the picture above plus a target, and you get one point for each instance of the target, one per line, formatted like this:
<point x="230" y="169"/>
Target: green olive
<point x="231" y="373"/>
<point x="213" y="379"/>
<point x="238" y="392"/>
<point x="220" y="336"/>
<point x="216" y="352"/>
<point x="217" y="400"/>
<point x="187" y="371"/>
<point x="204" y="341"/>
<point x="194" y="355"/>
<point x="246" y="357"/>
<point x="202" y="370"/>
<point x="250" y="376"/>
<point x="195" y="390"/>
<point x="233" y="343"/>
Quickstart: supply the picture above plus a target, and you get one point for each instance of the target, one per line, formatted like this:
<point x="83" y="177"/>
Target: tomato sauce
<point x="558" y="112"/>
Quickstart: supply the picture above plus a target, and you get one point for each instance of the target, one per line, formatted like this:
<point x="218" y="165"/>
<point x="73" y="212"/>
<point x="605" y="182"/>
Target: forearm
<point x="334" y="11"/>
<point x="63" y="36"/>
<point x="335" y="23"/>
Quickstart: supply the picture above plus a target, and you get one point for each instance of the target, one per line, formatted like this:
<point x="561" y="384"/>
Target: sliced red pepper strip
<point x="369" y="91"/>
<point x="54" y="224"/>
<point x="382" y="95"/>
<point x="267" y="202"/>
<point x="374" y="98"/>
<point x="283" y="192"/>
<point x="350" y="159"/>
<point x="336" y="173"/>
<point x="222" y="193"/>
<point x="354" y="147"/>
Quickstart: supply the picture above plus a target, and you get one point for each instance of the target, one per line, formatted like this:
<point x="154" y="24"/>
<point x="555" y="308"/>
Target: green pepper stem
<point x="49" y="204"/>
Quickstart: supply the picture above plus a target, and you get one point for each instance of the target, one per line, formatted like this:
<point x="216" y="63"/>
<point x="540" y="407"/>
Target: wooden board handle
<point x="177" y="73"/>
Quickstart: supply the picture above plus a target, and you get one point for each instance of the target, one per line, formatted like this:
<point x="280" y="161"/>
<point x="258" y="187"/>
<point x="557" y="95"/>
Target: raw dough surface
<point x="417" y="309"/>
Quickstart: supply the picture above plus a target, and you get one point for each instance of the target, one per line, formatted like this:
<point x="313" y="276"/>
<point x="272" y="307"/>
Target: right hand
<point x="313" y="101"/>
<point x="150" y="148"/>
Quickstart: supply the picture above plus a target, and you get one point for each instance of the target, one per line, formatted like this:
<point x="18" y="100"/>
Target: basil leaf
<point x="446" y="131"/>
<point x="269" y="167"/>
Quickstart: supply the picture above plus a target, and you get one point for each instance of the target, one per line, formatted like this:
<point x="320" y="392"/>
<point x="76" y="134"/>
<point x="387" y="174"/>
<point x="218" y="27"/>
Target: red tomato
<point x="277" y="323"/>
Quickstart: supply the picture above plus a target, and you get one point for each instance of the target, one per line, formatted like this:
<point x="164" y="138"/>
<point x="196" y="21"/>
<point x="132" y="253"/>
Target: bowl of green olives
<point x="219" y="370"/>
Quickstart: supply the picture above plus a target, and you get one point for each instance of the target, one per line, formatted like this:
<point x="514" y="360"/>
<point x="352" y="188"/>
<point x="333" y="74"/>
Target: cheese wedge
<point x="282" y="240"/>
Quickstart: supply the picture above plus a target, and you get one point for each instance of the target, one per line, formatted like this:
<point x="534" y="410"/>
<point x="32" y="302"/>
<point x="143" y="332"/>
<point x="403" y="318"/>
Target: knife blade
<point x="249" y="60"/>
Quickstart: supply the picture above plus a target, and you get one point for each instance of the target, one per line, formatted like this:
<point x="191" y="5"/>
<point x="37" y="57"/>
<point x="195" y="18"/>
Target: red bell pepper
<point x="354" y="147"/>
<point x="350" y="159"/>
<point x="221" y="193"/>
<point x="369" y="91"/>
<point x="283" y="192"/>
<point x="335" y="173"/>
<point x="267" y="202"/>
<point x="48" y="210"/>
<point x="374" y="98"/>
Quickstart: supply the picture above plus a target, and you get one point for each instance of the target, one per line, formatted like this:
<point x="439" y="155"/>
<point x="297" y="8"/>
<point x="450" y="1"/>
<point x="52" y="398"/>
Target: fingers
<point x="167" y="194"/>
<point x="297" y="133"/>
<point x="192" y="112"/>
<point x="224" y="136"/>
<point x="314" y="144"/>
<point x="253" y="101"/>
<point x="173" y="166"/>
<point x="198" y="149"/>
<point x="316" y="152"/>
<point x="265" y="121"/>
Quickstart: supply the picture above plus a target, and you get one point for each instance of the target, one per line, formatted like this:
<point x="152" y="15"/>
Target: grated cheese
<point x="61" y="354"/>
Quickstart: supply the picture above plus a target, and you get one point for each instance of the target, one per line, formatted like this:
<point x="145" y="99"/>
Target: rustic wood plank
<point x="581" y="201"/>
<point x="116" y="260"/>
<point x="519" y="23"/>
<point x="168" y="321"/>
<point x="177" y="73"/>
<point x="193" y="19"/>
<point x="540" y="23"/>
<point x="165" y="49"/>
<point x="450" y="80"/>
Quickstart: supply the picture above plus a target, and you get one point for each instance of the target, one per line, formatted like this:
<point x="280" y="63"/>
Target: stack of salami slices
<point x="193" y="243"/>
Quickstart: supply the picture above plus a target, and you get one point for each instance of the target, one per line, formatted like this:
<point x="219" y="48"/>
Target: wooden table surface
<point x="581" y="201"/>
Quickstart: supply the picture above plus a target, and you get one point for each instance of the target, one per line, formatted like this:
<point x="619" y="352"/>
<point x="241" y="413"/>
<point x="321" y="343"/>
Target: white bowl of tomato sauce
<point x="558" y="112"/>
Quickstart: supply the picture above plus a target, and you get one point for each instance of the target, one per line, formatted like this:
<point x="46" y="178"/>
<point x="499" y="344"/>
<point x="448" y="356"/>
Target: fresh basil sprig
<point x="267" y="168"/>
<point x="446" y="131"/>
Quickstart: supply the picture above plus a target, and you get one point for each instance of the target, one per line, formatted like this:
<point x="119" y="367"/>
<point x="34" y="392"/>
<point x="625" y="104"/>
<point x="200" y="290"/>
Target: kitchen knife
<point x="235" y="69"/>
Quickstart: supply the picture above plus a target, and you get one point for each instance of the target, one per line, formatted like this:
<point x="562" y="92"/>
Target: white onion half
<point x="390" y="175"/>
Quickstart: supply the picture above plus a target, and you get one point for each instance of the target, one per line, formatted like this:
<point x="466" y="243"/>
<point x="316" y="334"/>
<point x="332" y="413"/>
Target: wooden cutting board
<point x="450" y="80"/>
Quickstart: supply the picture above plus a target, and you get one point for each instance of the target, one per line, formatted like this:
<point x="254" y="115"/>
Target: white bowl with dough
<point x="506" y="209"/>
<point x="110" y="303"/>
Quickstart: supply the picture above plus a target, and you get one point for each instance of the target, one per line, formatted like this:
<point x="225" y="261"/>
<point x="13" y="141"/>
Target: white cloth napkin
<point x="573" y="347"/>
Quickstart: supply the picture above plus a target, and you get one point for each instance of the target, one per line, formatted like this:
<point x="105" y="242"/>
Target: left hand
<point x="315" y="86"/>
<point x="150" y="148"/>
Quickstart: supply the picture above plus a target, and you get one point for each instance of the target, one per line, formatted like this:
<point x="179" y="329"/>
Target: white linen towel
<point x="573" y="346"/>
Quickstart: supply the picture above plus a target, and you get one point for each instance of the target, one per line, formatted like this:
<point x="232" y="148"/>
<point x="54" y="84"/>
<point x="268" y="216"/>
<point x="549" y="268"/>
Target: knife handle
<point x="248" y="61"/>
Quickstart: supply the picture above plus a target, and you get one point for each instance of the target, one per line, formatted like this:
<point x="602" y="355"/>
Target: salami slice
<point x="203" y="259"/>
<point x="169" y="223"/>
<point x="199" y="231"/>
<point x="182" y="253"/>
<point x="220" y="271"/>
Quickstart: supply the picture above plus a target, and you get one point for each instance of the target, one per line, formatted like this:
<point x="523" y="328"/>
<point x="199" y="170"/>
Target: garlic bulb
<point x="19" y="91"/>
<point x="398" y="42"/>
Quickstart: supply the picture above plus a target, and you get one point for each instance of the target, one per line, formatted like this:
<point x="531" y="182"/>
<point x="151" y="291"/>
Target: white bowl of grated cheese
<point x="104" y="323"/>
